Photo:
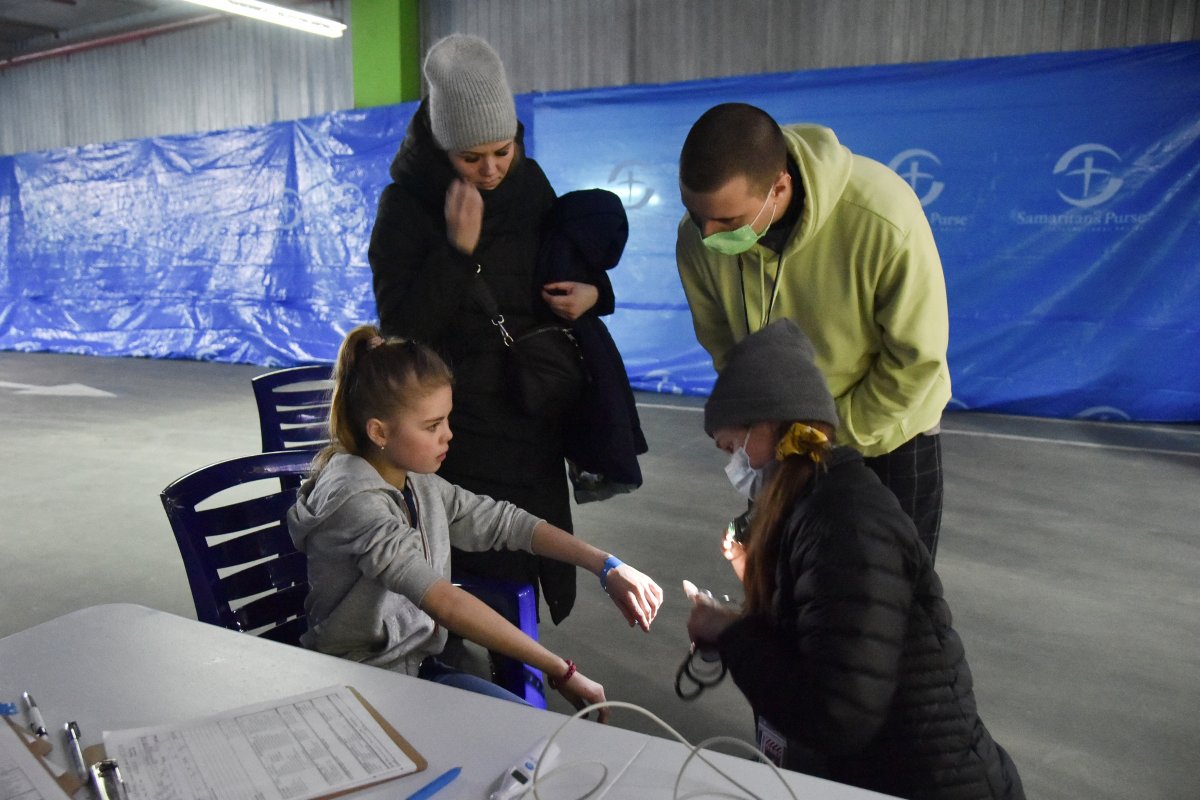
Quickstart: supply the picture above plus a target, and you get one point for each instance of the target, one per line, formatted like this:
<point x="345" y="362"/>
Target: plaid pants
<point x="913" y="471"/>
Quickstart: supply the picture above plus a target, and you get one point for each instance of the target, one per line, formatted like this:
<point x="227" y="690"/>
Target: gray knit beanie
<point x="469" y="99"/>
<point x="770" y="376"/>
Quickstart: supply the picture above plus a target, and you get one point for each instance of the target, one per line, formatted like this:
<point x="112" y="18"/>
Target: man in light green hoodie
<point x="788" y="223"/>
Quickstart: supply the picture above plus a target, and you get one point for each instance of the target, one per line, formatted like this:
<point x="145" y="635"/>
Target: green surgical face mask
<point x="735" y="242"/>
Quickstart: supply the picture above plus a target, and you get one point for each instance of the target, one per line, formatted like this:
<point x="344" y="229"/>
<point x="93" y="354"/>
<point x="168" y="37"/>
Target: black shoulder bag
<point x="545" y="368"/>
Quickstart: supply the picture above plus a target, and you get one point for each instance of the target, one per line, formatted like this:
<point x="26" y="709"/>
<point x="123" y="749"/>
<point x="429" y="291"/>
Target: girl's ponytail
<point x="353" y="352"/>
<point x="373" y="378"/>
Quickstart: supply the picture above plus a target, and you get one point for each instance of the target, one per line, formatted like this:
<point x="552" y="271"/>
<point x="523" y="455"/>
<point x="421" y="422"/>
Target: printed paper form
<point x="22" y="777"/>
<point x="305" y="746"/>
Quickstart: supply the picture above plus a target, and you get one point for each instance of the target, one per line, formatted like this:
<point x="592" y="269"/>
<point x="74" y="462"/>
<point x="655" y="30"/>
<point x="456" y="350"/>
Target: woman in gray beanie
<point x="466" y="206"/>
<point x="844" y="646"/>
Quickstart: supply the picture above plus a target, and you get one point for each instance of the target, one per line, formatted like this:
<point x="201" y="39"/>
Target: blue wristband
<point x="612" y="562"/>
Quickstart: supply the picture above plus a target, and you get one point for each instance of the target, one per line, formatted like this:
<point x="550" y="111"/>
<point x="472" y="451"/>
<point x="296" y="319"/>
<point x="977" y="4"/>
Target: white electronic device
<point x="517" y="779"/>
<point x="703" y="597"/>
<point x="696" y="595"/>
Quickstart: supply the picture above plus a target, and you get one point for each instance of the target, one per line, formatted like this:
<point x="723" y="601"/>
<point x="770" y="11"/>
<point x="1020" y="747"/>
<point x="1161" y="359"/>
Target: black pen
<point x="73" y="751"/>
<point x="36" y="723"/>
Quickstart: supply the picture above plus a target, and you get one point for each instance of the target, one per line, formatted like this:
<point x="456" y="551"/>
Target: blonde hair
<point x="374" y="378"/>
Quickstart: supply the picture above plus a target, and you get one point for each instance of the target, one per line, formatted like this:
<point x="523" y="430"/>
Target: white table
<point x="124" y="666"/>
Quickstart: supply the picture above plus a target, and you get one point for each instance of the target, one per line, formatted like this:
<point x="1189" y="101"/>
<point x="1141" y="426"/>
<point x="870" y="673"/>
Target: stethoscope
<point x="703" y="668"/>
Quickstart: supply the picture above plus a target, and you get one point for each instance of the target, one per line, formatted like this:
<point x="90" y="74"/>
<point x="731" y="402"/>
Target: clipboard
<point x="39" y="748"/>
<point x="396" y="738"/>
<point x="393" y="734"/>
<point x="109" y="784"/>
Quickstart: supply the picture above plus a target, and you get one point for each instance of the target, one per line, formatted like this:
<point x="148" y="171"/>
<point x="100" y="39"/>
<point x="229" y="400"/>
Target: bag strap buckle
<point x="498" y="321"/>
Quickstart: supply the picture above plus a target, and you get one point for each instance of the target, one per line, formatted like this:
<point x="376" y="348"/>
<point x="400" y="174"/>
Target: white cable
<point x="754" y="751"/>
<point x="695" y="753"/>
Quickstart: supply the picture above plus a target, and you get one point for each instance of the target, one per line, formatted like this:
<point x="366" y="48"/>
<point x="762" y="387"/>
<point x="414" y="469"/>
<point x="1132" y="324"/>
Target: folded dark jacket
<point x="584" y="237"/>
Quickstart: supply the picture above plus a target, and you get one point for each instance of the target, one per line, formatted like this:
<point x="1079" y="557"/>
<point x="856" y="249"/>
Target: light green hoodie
<point x="860" y="275"/>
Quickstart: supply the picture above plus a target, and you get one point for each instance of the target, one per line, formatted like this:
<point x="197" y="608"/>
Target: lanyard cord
<point x="768" y="308"/>
<point x="414" y="517"/>
<point x="410" y="501"/>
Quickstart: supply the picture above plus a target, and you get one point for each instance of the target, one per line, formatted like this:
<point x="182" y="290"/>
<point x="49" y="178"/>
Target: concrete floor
<point x="1070" y="555"/>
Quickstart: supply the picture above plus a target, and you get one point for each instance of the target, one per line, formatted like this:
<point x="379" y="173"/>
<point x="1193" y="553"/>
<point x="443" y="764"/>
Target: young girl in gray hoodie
<point x="377" y="523"/>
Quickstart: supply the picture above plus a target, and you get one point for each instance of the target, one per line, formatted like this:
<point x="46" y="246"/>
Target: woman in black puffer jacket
<point x="844" y="648"/>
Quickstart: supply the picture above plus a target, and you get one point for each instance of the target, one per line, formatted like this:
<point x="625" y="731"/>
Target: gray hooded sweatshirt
<point x="369" y="568"/>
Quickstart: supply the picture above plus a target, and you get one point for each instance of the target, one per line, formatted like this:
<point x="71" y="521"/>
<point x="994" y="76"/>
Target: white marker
<point x="36" y="723"/>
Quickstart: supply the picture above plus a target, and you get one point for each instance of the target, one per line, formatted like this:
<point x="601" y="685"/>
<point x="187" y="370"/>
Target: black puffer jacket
<point x="857" y="665"/>
<point x="423" y="291"/>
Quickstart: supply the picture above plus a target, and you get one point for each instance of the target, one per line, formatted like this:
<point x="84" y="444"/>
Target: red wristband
<point x="556" y="683"/>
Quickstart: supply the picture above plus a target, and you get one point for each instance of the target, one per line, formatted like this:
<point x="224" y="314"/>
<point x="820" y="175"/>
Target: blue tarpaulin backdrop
<point x="1063" y="190"/>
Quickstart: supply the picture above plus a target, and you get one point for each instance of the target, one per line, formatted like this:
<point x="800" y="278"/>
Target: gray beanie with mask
<point x="770" y="376"/>
<point x="469" y="100"/>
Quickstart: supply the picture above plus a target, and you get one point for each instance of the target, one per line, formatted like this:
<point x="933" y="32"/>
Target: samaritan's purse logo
<point x="1090" y="183"/>
<point x="908" y="166"/>
<point x="635" y="193"/>
<point x="1086" y="177"/>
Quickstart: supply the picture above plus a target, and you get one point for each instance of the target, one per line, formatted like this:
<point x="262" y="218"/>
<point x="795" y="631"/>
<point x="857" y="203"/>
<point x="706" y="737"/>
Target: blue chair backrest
<point x="293" y="407"/>
<point x="244" y="572"/>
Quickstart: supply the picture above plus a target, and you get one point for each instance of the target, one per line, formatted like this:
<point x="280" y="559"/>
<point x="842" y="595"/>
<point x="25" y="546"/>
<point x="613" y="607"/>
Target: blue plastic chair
<point x="293" y="407"/>
<point x="244" y="572"/>
<point x="246" y="575"/>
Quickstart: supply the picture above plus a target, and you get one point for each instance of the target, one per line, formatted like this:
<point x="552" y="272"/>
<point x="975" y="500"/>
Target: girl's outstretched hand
<point x="636" y="595"/>
<point x="582" y="691"/>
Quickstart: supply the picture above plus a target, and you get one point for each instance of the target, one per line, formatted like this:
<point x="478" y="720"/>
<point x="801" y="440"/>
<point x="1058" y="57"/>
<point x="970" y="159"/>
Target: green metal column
<point x="385" y="39"/>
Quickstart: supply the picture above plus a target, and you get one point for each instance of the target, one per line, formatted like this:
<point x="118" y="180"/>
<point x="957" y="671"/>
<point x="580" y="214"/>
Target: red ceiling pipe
<point x="105" y="41"/>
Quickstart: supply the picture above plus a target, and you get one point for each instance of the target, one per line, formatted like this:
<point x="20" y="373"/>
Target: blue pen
<point x="435" y="785"/>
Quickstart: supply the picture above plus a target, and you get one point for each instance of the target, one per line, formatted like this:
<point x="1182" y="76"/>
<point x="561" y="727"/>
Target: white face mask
<point x="744" y="477"/>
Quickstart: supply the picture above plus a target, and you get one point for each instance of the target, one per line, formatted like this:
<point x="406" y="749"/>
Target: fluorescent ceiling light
<point x="309" y="23"/>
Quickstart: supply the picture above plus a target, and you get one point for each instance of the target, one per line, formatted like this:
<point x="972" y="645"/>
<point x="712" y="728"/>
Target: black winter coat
<point x="423" y="291"/>
<point x="857" y="665"/>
